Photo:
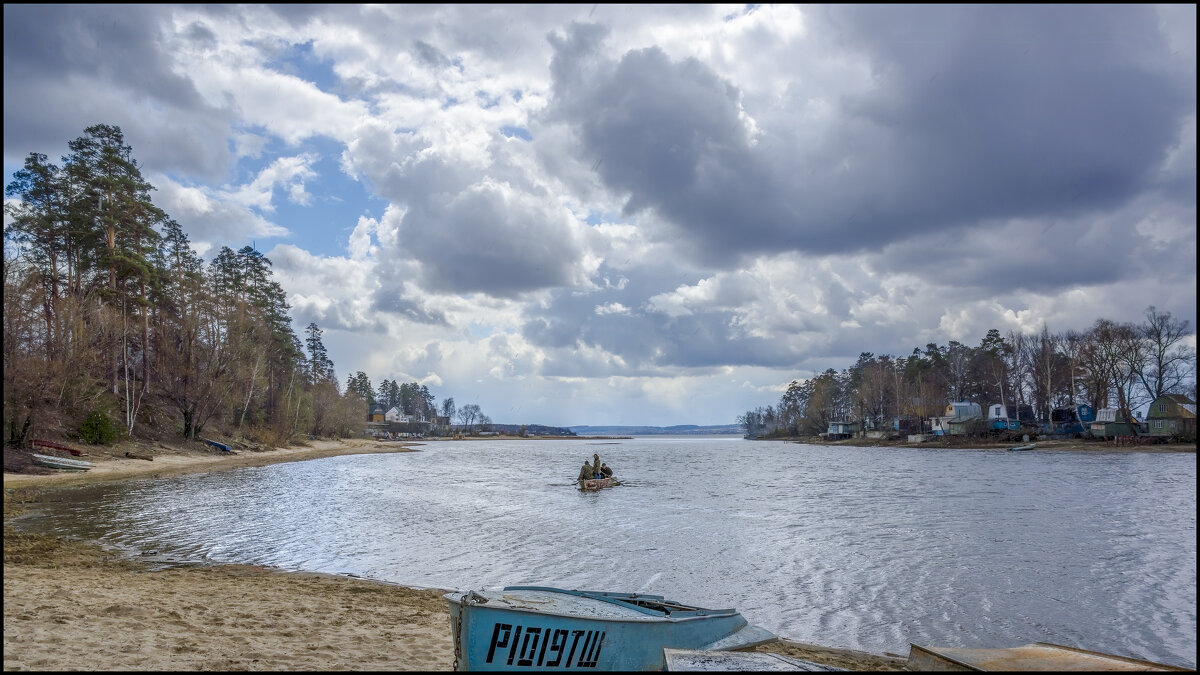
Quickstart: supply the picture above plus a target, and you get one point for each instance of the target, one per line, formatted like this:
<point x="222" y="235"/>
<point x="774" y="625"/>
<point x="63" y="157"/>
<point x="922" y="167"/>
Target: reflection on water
<point x="866" y="548"/>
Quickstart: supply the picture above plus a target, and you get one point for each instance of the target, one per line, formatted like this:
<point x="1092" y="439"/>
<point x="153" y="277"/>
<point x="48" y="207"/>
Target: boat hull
<point x="503" y="638"/>
<point x="596" y="483"/>
<point x="55" y="446"/>
<point x="62" y="463"/>
<point x="218" y="445"/>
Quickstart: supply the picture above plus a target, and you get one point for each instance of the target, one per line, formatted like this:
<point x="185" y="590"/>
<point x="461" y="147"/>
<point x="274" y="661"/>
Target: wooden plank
<point x="1037" y="656"/>
<point x="698" y="660"/>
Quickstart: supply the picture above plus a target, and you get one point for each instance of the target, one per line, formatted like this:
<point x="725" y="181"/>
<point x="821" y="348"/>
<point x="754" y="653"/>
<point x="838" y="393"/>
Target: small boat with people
<point x="596" y="475"/>
<point x="61" y="463"/>
<point x="545" y="628"/>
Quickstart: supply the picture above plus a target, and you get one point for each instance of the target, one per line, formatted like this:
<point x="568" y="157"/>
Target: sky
<point x="647" y="215"/>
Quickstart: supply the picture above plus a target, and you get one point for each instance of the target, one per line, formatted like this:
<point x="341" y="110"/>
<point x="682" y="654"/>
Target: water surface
<point x="865" y="548"/>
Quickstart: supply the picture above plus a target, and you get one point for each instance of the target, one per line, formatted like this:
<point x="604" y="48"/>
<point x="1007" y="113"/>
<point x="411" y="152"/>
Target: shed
<point x="841" y="429"/>
<point x="1112" y="422"/>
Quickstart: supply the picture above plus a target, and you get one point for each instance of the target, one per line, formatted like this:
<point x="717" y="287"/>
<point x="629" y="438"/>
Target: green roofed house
<point x="1172" y="415"/>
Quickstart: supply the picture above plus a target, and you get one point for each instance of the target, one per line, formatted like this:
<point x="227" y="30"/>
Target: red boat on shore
<point x="56" y="446"/>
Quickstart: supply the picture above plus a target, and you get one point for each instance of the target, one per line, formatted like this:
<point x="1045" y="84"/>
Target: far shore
<point x="71" y="605"/>
<point x="966" y="443"/>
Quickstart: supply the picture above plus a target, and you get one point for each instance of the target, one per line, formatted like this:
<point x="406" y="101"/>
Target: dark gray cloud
<point x="473" y="231"/>
<point x="67" y="67"/>
<point x="975" y="114"/>
<point x="120" y="45"/>
<point x="648" y="342"/>
<point x="489" y="239"/>
<point x="388" y="300"/>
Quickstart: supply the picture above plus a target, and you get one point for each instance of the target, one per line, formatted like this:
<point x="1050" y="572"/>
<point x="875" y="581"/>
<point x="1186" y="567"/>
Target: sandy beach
<point x="72" y="605"/>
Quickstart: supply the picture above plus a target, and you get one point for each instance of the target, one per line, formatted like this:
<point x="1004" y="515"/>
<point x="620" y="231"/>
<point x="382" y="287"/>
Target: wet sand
<point x="75" y="606"/>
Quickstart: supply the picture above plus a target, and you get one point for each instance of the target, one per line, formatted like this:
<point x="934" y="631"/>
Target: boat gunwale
<point x="647" y="616"/>
<point x="627" y="600"/>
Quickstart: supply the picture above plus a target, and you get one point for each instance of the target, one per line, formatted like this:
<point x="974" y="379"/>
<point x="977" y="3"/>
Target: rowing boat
<point x="52" y="462"/>
<point x="55" y="446"/>
<point x="1027" y="446"/>
<point x="597" y="483"/>
<point x="217" y="445"/>
<point x="543" y="628"/>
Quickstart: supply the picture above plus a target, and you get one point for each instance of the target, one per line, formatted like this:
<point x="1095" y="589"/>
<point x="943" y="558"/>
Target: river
<point x="864" y="548"/>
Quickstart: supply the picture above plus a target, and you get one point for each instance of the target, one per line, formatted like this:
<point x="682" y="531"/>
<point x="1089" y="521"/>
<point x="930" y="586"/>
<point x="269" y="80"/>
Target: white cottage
<point x="394" y="415"/>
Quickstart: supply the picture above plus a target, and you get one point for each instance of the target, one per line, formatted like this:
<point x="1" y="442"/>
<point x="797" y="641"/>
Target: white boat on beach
<point x="52" y="462"/>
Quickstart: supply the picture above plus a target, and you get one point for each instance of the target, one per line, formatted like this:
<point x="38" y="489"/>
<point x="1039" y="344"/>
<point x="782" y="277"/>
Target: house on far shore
<point x="1070" y="421"/>
<point x="376" y="414"/>
<point x="1111" y="422"/>
<point x="1003" y="417"/>
<point x="1172" y="415"/>
<point x="909" y="424"/>
<point x="956" y="418"/>
<point x="841" y="429"/>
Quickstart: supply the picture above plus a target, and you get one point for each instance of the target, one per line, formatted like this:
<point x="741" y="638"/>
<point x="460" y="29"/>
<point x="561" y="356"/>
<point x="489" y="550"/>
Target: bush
<point x="97" y="429"/>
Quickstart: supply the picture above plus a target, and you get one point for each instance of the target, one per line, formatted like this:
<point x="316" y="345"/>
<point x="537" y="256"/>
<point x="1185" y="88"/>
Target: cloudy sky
<point x="609" y="214"/>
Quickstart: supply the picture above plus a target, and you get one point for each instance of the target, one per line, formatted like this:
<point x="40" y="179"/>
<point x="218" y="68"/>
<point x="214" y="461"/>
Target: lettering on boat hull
<point x="534" y="646"/>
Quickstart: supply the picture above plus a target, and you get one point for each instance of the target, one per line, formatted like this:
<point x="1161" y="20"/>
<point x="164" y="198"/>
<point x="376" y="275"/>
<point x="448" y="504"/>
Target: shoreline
<point x="951" y="443"/>
<point x="72" y="605"/>
<point x="176" y="460"/>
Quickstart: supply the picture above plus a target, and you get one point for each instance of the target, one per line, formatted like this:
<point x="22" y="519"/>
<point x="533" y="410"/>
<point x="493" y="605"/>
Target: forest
<point x="114" y="327"/>
<point x="1111" y="365"/>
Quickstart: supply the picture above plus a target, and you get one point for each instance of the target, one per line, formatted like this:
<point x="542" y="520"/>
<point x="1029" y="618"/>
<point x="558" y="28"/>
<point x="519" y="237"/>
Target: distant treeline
<point x="530" y="430"/>
<point x="111" y="318"/>
<point x="677" y="430"/>
<point x="1119" y="365"/>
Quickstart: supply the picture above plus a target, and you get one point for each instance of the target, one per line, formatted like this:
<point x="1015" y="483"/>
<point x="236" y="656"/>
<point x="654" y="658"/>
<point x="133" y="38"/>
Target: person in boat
<point x="597" y="473"/>
<point x="587" y="471"/>
<point x="606" y="471"/>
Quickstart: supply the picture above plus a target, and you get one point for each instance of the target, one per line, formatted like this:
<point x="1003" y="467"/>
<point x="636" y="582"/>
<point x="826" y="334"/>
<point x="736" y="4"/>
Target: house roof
<point x="1180" y="400"/>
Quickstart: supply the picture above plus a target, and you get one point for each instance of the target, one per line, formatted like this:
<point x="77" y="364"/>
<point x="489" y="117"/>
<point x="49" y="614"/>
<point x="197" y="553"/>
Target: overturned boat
<point x="544" y="628"/>
<point x="61" y="463"/>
